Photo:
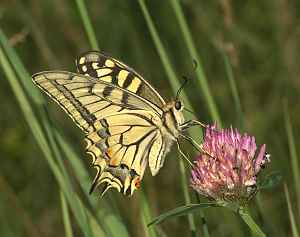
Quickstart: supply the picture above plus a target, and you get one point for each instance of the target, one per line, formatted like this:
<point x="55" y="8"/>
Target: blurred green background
<point x="260" y="40"/>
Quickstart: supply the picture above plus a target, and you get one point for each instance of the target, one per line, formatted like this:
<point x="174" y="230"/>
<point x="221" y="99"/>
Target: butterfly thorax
<point x="172" y="119"/>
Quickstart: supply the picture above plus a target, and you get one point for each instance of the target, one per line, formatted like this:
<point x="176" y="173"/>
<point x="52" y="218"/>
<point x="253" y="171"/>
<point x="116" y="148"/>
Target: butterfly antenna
<point x="183" y="155"/>
<point x="186" y="79"/>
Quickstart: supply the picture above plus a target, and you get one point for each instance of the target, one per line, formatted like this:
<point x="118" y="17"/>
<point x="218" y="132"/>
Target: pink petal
<point x="260" y="158"/>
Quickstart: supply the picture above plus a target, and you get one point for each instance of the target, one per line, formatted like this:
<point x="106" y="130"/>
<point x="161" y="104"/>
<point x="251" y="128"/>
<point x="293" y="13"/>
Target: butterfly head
<point x="173" y="116"/>
<point x="177" y="111"/>
<point x="178" y="105"/>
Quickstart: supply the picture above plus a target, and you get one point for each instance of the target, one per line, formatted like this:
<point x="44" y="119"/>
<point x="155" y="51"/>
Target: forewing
<point x="106" y="68"/>
<point x="87" y="99"/>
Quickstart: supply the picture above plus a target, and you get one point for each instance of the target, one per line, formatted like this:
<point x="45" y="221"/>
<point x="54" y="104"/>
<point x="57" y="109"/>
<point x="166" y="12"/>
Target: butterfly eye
<point x="178" y="105"/>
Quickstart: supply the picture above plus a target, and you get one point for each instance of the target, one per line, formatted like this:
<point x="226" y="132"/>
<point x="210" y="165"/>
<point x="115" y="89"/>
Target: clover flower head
<point x="227" y="170"/>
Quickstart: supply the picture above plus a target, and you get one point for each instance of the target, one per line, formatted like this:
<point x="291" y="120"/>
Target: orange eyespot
<point x="113" y="162"/>
<point x="137" y="183"/>
<point x="108" y="153"/>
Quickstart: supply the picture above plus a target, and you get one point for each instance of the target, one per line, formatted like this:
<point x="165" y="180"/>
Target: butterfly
<point x="127" y="124"/>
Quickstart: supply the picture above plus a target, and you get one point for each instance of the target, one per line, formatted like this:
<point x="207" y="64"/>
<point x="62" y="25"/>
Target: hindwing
<point x="121" y="149"/>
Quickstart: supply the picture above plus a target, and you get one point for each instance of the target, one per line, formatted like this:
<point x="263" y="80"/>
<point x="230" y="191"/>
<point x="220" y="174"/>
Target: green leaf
<point x="271" y="180"/>
<point x="244" y="214"/>
<point x="181" y="211"/>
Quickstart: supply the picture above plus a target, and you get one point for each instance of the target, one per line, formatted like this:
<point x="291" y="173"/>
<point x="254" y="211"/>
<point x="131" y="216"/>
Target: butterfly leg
<point x="199" y="147"/>
<point x="191" y="123"/>
<point x="183" y="155"/>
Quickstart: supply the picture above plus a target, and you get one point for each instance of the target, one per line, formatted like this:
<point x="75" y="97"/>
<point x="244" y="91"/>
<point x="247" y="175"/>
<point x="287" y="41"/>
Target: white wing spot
<point x="109" y="63"/>
<point x="84" y="68"/>
<point x="82" y="60"/>
<point x="95" y="65"/>
<point x="122" y="77"/>
<point x="103" y="72"/>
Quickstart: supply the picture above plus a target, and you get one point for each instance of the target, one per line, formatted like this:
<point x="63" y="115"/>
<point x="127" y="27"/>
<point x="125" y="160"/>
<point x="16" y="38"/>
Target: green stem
<point x="66" y="216"/>
<point x="171" y="75"/>
<point x="87" y="24"/>
<point x="187" y="197"/>
<point x="41" y="139"/>
<point x="175" y="84"/>
<point x="244" y="214"/>
<point x="293" y="152"/>
<point x="147" y="215"/>
<point x="234" y="90"/>
<point x="202" y="216"/>
<point x="291" y="213"/>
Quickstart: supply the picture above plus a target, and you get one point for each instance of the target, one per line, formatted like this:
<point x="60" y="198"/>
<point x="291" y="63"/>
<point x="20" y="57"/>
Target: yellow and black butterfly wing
<point x="87" y="99"/>
<point x="121" y="135"/>
<point x="122" y="147"/>
<point x="109" y="69"/>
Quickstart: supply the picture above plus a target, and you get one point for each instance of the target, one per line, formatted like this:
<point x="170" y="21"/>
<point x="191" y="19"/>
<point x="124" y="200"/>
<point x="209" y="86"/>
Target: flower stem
<point x="187" y="197"/>
<point x="244" y="214"/>
<point x="203" y="219"/>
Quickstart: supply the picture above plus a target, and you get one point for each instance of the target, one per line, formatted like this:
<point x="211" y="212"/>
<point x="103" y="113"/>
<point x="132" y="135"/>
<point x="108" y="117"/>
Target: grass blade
<point x="291" y="213"/>
<point x="37" y="132"/>
<point x="66" y="216"/>
<point x="175" y="85"/>
<point x="187" y="197"/>
<point x="146" y="216"/>
<point x="194" y="55"/>
<point x="110" y="222"/>
<point x="97" y="231"/>
<point x="293" y="153"/>
<point x="234" y="90"/>
<point x="22" y="73"/>
<point x="87" y="24"/>
<point x="202" y="218"/>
